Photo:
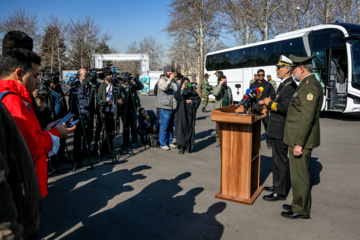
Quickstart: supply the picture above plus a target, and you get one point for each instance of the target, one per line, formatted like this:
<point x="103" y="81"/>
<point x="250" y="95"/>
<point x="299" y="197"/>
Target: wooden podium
<point x="239" y="136"/>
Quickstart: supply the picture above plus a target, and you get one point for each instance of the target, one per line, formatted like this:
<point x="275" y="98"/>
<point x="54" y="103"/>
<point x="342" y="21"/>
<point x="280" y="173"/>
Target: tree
<point x="53" y="48"/>
<point x="83" y="36"/>
<point x="152" y="48"/>
<point x="197" y="20"/>
<point x="20" y="20"/>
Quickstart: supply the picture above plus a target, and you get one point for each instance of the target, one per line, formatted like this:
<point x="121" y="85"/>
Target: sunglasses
<point x="261" y="75"/>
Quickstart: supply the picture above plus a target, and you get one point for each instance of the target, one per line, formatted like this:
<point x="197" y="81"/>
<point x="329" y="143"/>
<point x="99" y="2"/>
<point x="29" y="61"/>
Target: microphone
<point x="249" y="95"/>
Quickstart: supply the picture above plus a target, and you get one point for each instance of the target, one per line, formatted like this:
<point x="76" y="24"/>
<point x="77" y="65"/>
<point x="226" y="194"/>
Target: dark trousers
<point x="79" y="138"/>
<point x="97" y="132"/>
<point x="129" y="125"/>
<point x="265" y="121"/>
<point x="108" y="136"/>
<point x="280" y="164"/>
<point x="300" y="181"/>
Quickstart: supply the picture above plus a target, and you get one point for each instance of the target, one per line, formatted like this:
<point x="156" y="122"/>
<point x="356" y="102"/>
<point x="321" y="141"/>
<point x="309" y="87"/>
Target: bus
<point x="336" y="65"/>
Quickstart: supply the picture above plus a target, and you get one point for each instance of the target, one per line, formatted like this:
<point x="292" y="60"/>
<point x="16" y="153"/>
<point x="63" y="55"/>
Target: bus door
<point x="320" y="70"/>
<point x="337" y="72"/>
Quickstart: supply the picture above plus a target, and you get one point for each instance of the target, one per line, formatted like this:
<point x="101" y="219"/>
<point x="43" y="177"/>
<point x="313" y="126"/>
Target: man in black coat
<point x="268" y="92"/>
<point x="275" y="131"/>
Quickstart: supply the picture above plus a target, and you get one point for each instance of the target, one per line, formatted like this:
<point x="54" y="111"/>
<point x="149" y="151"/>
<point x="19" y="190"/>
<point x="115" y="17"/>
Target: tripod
<point x="81" y="118"/>
<point x="101" y="116"/>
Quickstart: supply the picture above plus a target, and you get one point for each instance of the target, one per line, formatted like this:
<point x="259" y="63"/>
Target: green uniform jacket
<point x="302" y="122"/>
<point x="218" y="94"/>
<point x="206" y="88"/>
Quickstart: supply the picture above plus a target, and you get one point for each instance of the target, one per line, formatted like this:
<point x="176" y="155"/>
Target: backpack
<point x="153" y="140"/>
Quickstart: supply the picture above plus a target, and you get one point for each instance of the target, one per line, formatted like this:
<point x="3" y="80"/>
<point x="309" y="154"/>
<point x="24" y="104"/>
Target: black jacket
<point x="267" y="92"/>
<point x="102" y="94"/>
<point x="279" y="107"/>
<point x="20" y="199"/>
<point x="83" y="95"/>
<point x="129" y="94"/>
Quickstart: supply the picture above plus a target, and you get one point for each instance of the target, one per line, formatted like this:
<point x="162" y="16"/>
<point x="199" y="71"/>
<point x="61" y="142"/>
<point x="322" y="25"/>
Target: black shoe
<point x="181" y="151"/>
<point x="287" y="207"/>
<point x="203" y="110"/>
<point x="269" y="189"/>
<point x="292" y="215"/>
<point x="274" y="197"/>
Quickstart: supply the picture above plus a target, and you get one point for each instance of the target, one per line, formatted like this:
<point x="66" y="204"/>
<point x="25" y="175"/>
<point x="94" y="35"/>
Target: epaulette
<point x="288" y="83"/>
<point x="307" y="81"/>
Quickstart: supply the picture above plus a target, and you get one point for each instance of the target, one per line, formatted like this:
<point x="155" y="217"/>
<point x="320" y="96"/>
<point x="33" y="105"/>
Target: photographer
<point x="79" y="105"/>
<point x="19" y="69"/>
<point x="148" y="123"/>
<point x="44" y="100"/>
<point x="105" y="94"/>
<point x="130" y="103"/>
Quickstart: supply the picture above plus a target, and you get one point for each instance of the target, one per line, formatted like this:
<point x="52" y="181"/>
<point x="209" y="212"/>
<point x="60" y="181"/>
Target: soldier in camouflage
<point x="206" y="91"/>
<point x="273" y="83"/>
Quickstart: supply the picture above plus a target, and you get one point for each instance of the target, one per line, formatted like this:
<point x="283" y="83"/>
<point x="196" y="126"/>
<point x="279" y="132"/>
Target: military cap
<point x="219" y="72"/>
<point x="301" y="60"/>
<point x="206" y="75"/>
<point x="284" y="61"/>
<point x="268" y="76"/>
<point x="16" y="39"/>
<point x="255" y="74"/>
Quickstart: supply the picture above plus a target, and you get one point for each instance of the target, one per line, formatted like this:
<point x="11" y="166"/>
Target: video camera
<point x="74" y="81"/>
<point x="45" y="79"/>
<point x="93" y="74"/>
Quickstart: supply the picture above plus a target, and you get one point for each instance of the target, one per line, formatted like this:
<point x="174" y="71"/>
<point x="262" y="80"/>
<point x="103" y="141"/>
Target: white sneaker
<point x="165" y="148"/>
<point x="172" y="145"/>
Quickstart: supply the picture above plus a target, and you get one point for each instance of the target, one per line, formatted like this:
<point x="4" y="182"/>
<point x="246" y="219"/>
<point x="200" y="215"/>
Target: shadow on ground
<point x="154" y="213"/>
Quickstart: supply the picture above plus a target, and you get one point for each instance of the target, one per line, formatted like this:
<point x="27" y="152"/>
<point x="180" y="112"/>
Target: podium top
<point x="230" y="115"/>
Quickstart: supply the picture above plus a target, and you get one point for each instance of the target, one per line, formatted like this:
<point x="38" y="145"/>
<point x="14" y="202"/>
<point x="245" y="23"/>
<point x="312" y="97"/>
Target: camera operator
<point x="105" y="93"/>
<point x="130" y="103"/>
<point x="44" y="100"/>
<point x="80" y="106"/>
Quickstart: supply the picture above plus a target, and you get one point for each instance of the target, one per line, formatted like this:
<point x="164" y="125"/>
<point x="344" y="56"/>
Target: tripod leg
<point x="86" y="143"/>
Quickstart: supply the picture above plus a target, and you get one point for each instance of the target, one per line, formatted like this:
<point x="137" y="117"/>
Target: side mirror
<point x="238" y="85"/>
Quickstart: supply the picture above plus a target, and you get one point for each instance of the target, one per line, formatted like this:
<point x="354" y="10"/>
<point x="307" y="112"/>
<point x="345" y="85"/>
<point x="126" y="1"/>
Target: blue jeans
<point x="166" y="126"/>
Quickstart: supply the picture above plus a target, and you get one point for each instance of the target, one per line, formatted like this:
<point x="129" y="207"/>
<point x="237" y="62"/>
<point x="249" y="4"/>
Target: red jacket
<point x="38" y="141"/>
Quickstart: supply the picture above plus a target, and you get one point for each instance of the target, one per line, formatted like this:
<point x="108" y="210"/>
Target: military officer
<point x="302" y="134"/>
<point x="206" y="91"/>
<point x="275" y="130"/>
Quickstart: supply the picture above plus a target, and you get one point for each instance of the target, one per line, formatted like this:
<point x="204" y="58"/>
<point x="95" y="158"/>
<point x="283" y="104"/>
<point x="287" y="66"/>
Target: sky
<point x="125" y="20"/>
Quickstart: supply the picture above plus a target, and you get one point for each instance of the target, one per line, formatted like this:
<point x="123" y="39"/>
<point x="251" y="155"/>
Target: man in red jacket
<point x="19" y="71"/>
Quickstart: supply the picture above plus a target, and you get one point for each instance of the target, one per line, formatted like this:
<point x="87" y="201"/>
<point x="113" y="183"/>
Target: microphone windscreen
<point x="247" y="91"/>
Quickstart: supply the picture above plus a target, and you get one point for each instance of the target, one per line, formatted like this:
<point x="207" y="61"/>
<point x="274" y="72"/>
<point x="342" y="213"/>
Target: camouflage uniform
<point x="206" y="92"/>
<point x="273" y="83"/>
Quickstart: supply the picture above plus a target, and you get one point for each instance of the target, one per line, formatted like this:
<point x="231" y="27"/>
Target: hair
<point x="18" y="58"/>
<point x="140" y="109"/>
<point x="261" y="70"/>
<point x="308" y="67"/>
<point x="221" y="77"/>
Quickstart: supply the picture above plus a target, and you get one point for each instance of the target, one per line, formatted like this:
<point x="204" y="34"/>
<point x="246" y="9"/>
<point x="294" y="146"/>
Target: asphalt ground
<point x="157" y="194"/>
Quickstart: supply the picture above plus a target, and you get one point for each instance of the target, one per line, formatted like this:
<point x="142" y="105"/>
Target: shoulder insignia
<point x="307" y="81"/>
<point x="309" y="97"/>
<point x="288" y="83"/>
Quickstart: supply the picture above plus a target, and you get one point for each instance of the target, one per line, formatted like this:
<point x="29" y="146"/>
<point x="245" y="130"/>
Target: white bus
<point x="337" y="63"/>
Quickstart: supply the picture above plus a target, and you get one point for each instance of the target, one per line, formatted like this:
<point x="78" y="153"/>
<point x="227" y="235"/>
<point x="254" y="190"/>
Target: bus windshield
<point x="356" y="65"/>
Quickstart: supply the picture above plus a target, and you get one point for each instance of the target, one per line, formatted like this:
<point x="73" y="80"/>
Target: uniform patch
<point x="309" y="97"/>
<point x="307" y="81"/>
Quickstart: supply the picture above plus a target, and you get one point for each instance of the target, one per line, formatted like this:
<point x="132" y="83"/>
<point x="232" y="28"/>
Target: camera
<point x="74" y="81"/>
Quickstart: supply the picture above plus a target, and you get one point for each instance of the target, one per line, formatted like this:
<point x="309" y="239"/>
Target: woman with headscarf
<point x="188" y="102"/>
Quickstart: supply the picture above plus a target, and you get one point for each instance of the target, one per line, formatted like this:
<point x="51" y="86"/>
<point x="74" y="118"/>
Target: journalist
<point x="79" y="104"/>
<point x="19" y="68"/>
<point x="130" y="103"/>
<point x="107" y="107"/>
